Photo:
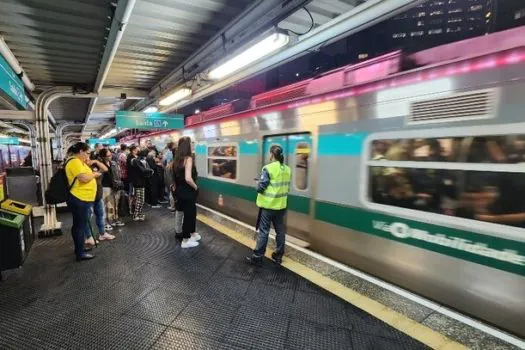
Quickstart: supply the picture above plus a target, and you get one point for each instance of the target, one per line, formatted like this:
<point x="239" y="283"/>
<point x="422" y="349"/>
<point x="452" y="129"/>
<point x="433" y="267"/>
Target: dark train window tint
<point x="222" y="162"/>
<point x="508" y="149"/>
<point x="495" y="197"/>
<point x="302" y="155"/>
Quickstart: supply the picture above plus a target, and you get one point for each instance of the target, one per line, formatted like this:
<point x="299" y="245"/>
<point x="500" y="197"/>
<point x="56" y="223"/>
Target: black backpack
<point x="58" y="190"/>
<point x="116" y="182"/>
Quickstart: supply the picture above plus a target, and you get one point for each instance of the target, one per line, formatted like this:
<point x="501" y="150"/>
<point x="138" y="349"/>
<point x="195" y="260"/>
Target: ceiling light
<point x="151" y="109"/>
<point x="175" y="97"/>
<point x="265" y="47"/>
<point x="197" y="111"/>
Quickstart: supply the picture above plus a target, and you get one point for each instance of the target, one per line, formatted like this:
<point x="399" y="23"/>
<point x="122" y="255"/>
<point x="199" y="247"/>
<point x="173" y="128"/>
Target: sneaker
<point x="157" y="206"/>
<point x="254" y="261"/>
<point x="109" y="227"/>
<point x="189" y="243"/>
<point x="195" y="236"/>
<point x="142" y="217"/>
<point x="278" y="259"/>
<point x="120" y="223"/>
<point x="90" y="241"/>
<point x="106" y="237"/>
<point x="137" y="218"/>
<point x="172" y="209"/>
<point x="163" y="201"/>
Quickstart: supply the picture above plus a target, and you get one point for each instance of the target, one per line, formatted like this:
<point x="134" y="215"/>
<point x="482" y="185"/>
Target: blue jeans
<point x="98" y="208"/>
<point x="80" y="211"/>
<point x="268" y="217"/>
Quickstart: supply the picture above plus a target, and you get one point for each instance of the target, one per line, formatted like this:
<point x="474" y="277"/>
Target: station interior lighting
<point x="109" y="133"/>
<point x="270" y="44"/>
<point x="151" y="109"/>
<point x="176" y="96"/>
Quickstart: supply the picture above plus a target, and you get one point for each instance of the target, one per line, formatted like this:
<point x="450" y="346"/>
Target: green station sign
<point x="149" y="121"/>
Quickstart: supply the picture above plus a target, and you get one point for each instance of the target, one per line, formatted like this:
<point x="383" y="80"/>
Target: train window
<point x="222" y="162"/>
<point x="302" y="154"/>
<point x="472" y="177"/>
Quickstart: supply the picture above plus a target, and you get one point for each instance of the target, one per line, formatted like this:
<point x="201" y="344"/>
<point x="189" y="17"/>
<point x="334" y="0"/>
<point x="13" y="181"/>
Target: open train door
<point x="296" y="149"/>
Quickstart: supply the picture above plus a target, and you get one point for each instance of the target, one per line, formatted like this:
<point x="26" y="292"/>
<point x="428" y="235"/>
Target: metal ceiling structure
<point x="146" y="45"/>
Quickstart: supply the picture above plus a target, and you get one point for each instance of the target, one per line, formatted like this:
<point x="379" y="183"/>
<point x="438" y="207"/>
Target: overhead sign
<point x="9" y="141"/>
<point x="11" y="84"/>
<point x="110" y="142"/>
<point x="149" y="121"/>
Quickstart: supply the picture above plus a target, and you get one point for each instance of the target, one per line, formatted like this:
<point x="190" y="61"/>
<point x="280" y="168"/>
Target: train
<point x="409" y="167"/>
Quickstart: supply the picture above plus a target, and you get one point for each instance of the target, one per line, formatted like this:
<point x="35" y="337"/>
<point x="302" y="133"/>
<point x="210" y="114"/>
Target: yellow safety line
<point x="422" y="333"/>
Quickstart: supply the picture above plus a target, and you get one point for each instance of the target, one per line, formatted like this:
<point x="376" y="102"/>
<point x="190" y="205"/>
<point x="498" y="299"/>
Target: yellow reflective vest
<point x="275" y="196"/>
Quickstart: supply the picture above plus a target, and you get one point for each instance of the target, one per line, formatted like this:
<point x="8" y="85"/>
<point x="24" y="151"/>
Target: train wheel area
<point x="142" y="291"/>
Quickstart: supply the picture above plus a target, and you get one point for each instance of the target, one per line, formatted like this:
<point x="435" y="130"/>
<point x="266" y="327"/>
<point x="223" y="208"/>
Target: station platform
<point x="142" y="291"/>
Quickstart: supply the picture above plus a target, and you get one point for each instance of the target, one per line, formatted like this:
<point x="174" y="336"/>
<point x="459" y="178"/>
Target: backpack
<point x="144" y="167"/>
<point x="124" y="207"/>
<point x="58" y="190"/>
<point x="116" y="182"/>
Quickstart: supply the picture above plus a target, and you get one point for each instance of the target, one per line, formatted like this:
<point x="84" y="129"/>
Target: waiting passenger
<point x="272" y="199"/>
<point x="137" y="169"/>
<point x="123" y="166"/>
<point x="82" y="181"/>
<point x="112" y="185"/>
<point x="186" y="191"/>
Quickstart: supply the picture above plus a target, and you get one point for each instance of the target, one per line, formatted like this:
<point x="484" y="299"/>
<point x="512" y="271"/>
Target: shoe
<point x="88" y="248"/>
<point x="90" y="241"/>
<point x="85" y="257"/>
<point x="254" y="261"/>
<point x="120" y="223"/>
<point x="278" y="259"/>
<point x="195" y="236"/>
<point x="137" y="218"/>
<point x="142" y="217"/>
<point x="189" y="243"/>
<point x="106" y="237"/>
<point x="163" y="202"/>
<point x="172" y="209"/>
<point x="156" y="206"/>
<point x="109" y="227"/>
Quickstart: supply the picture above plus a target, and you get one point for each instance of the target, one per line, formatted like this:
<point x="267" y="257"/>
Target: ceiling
<point x="61" y="42"/>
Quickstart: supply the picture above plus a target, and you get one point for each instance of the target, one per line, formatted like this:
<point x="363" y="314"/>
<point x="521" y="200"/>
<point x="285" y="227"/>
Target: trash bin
<point x="12" y="247"/>
<point x="29" y="222"/>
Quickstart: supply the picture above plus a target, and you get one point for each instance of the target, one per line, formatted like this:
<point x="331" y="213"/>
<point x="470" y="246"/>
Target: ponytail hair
<point x="277" y="152"/>
<point x="78" y="147"/>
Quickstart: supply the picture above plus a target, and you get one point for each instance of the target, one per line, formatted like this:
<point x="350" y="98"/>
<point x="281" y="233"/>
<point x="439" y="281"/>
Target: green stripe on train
<point x="295" y="203"/>
<point x="499" y="253"/>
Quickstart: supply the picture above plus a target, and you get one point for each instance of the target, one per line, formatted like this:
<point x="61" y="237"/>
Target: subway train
<point x="407" y="167"/>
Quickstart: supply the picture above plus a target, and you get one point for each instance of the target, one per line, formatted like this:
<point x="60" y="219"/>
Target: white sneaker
<point x="189" y="243"/>
<point x="109" y="227"/>
<point x="137" y="218"/>
<point x="156" y="206"/>
<point x="120" y="224"/>
<point x="106" y="237"/>
<point x="195" y="236"/>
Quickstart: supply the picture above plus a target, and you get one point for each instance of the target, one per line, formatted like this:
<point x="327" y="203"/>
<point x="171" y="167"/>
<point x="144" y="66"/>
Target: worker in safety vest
<point x="272" y="199"/>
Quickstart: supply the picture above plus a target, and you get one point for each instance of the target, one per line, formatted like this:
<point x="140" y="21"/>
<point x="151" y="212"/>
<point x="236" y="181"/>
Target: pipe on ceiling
<point x="118" y="25"/>
<point x="357" y="19"/>
<point x="6" y="52"/>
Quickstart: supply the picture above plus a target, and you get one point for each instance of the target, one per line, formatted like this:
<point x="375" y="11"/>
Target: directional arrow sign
<point x="149" y="121"/>
<point x="9" y="141"/>
<point x="110" y="142"/>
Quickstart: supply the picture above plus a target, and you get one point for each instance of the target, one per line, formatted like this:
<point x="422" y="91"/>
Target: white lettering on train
<point x="403" y="231"/>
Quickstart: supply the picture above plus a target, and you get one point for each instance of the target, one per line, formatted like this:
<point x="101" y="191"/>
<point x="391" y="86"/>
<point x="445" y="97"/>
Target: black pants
<point x="189" y="208"/>
<point x="153" y="190"/>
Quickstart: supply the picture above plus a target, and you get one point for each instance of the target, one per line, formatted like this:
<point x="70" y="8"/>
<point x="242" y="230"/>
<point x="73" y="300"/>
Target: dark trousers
<point x="80" y="211"/>
<point x="153" y="190"/>
<point x="127" y="185"/>
<point x="189" y="208"/>
<point x="267" y="217"/>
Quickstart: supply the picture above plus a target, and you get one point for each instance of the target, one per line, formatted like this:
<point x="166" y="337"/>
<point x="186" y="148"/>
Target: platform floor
<point x="142" y="291"/>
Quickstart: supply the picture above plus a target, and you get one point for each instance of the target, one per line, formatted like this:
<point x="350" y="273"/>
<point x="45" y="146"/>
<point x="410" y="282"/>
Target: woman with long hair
<point x="186" y="191"/>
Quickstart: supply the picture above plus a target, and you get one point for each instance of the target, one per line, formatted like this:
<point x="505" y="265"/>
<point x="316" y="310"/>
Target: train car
<point x="415" y="176"/>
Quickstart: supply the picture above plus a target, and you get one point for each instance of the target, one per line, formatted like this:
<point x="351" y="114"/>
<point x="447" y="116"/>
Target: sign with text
<point x="110" y="142"/>
<point x="11" y="84"/>
<point x="149" y="121"/>
<point x="9" y="141"/>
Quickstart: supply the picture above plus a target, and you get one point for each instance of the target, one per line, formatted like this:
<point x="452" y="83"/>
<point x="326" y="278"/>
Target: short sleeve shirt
<point x="84" y="191"/>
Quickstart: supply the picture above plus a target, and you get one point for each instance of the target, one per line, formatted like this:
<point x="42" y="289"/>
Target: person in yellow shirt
<point x="83" y="189"/>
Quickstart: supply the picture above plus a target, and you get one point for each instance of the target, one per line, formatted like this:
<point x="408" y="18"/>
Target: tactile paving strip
<point x="143" y="291"/>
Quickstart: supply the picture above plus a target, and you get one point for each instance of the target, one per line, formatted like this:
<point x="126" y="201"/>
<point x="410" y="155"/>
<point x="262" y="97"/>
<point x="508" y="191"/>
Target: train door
<point x="296" y="149"/>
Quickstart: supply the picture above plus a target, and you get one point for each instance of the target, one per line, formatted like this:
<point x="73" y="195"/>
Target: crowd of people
<point x="111" y="184"/>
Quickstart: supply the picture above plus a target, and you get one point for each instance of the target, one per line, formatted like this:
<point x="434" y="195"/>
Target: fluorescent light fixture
<point x="175" y="97"/>
<point x="151" y="109"/>
<point x="265" y="47"/>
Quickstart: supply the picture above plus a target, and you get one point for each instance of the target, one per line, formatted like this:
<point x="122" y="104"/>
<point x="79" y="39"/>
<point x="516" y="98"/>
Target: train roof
<point x="392" y="69"/>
